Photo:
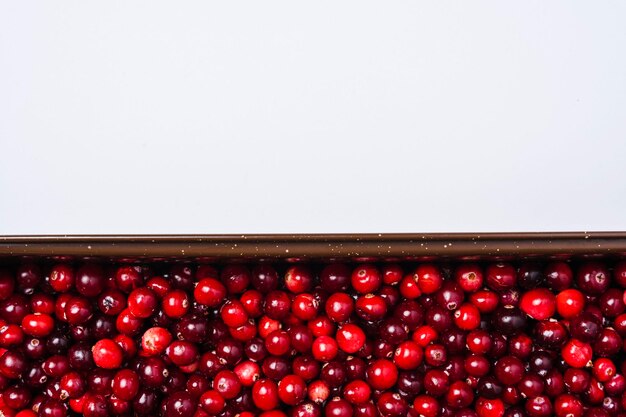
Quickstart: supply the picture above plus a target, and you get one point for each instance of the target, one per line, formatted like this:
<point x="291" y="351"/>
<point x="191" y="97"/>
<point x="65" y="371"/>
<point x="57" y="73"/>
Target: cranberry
<point x="338" y="407"/>
<point x="142" y="302"/>
<point x="180" y="404"/>
<point x="558" y="275"/>
<point x="175" y="304"/>
<point x="61" y="278"/>
<point x="125" y="384"/>
<point x="90" y="280"/>
<point x="538" y="303"/>
<point x="576" y="353"/>
<point x="265" y="394"/>
<point x="298" y="279"/>
<point x="469" y="277"/>
<point x="593" y="278"/>
<point x="107" y="354"/>
<point x="500" y="277"/>
<point x="429" y="278"/>
<point x="155" y="340"/>
<point x="264" y="278"/>
<point x="382" y="374"/>
<point x="570" y="303"/>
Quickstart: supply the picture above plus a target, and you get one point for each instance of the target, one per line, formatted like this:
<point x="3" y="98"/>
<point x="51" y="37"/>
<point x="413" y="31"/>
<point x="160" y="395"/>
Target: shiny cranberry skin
<point x="305" y="306"/>
<point x="550" y="334"/>
<point x="509" y="321"/>
<point x="612" y="303"/>
<point x="265" y="394"/>
<point x="576" y="353"/>
<point x="12" y="364"/>
<point x="28" y="277"/>
<point x="264" y="278"/>
<point x="142" y="302"/>
<point x="181" y="352"/>
<point x="175" y="304"/>
<point x="209" y="292"/>
<point x="212" y="402"/>
<point x="107" y="354"/>
<point x="145" y="402"/>
<point x="155" y="340"/>
<point x="125" y="384"/>
<point x="450" y="295"/>
<point x="371" y="307"/>
<point x="608" y="343"/>
<point x="335" y="277"/>
<point x="585" y="327"/>
<point x="467" y="317"/>
<point x="469" y="277"/>
<point x="338" y="407"/>
<point x="538" y="303"/>
<point x="593" y="278"/>
<point x="426" y="406"/>
<point x="298" y="279"/>
<point x="429" y="278"/>
<point x="14" y="308"/>
<point x="558" y="275"/>
<point x="180" y="404"/>
<point x="439" y="318"/>
<point x="306" y="367"/>
<point x="11" y="335"/>
<point x="90" y="280"/>
<point x="459" y="395"/>
<point x="61" y="278"/>
<point x="112" y="302"/>
<point x="570" y="303"/>
<point x="95" y="406"/>
<point x="509" y="370"/>
<point x="152" y="371"/>
<point x="382" y="374"/>
<point x="392" y="405"/>
<point x="567" y="405"/>
<point x="500" y="277"/>
<point x="53" y="408"/>
<point x="366" y="279"/>
<point x="324" y="348"/>
<point x="236" y="278"/>
<point x="485" y="300"/>
<point x="339" y="307"/>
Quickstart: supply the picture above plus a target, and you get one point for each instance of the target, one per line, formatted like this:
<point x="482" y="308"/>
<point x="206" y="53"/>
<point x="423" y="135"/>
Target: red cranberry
<point x="469" y="277"/>
<point x="265" y="394"/>
<point x="500" y="277"/>
<point x="142" y="302"/>
<point x="429" y="278"/>
<point x="576" y="353"/>
<point x="382" y="374"/>
<point x="538" y="303"/>
<point x="90" y="280"/>
<point x="180" y="404"/>
<point x="155" y="340"/>
<point x="298" y="279"/>
<point x="366" y="279"/>
<point x="61" y="278"/>
<point x="175" y="304"/>
<point x="107" y="354"/>
<point x="338" y="407"/>
<point x="558" y="276"/>
<point x="593" y="278"/>
<point x="264" y="278"/>
<point x="125" y="384"/>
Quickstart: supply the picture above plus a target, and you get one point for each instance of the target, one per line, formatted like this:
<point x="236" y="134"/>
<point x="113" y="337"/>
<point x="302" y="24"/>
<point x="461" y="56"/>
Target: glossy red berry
<point x="366" y="279"/>
<point x="292" y="390"/>
<point x="428" y="278"/>
<point x="570" y="303"/>
<point x="538" y="303"/>
<point x="350" y="338"/>
<point x="576" y="353"/>
<point x="382" y="374"/>
<point x="175" y="304"/>
<point x="125" y="384"/>
<point x="265" y="394"/>
<point x="37" y="325"/>
<point x="107" y="354"/>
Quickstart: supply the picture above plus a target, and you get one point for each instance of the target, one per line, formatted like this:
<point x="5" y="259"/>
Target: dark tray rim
<point x="301" y="246"/>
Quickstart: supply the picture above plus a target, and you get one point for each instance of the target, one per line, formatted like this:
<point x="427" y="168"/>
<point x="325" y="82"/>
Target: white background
<point x="326" y="116"/>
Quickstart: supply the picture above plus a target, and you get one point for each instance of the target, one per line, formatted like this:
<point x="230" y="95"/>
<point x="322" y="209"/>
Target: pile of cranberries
<point x="362" y="340"/>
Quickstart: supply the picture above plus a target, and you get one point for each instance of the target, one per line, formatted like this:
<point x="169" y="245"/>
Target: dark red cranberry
<point x="558" y="276"/>
<point x="450" y="295"/>
<point x="338" y="407"/>
<point x="593" y="278"/>
<point x="335" y="277"/>
<point x="550" y="334"/>
<point x="145" y="402"/>
<point x="392" y="405"/>
<point x="509" y="321"/>
<point x="180" y="404"/>
<point x="500" y="277"/>
<point x="585" y="327"/>
<point x="14" y="308"/>
<point x="264" y="278"/>
<point x="12" y="364"/>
